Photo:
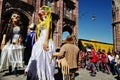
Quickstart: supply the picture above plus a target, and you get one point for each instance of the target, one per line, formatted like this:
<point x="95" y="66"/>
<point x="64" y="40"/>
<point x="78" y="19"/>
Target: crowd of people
<point x="40" y="55"/>
<point x="96" y="61"/>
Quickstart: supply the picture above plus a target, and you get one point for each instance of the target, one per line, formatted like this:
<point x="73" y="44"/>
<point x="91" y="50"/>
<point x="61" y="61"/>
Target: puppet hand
<point x="65" y="66"/>
<point x="59" y="63"/>
<point x="56" y="54"/>
<point x="19" y="41"/>
<point x="25" y="73"/>
<point x="45" y="47"/>
<point x="2" y="45"/>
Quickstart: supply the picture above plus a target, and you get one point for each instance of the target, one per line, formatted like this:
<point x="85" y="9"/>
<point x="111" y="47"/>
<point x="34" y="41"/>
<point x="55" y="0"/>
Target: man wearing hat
<point x="69" y="53"/>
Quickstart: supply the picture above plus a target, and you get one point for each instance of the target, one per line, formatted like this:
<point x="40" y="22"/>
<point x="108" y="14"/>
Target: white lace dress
<point x="39" y="67"/>
<point x="12" y="54"/>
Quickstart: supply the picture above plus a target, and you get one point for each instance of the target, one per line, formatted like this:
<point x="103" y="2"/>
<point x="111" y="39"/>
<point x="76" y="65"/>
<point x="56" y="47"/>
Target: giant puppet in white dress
<point x="11" y="47"/>
<point x="39" y="66"/>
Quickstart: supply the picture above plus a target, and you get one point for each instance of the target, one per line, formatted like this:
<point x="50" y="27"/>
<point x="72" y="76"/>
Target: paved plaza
<point x="83" y="74"/>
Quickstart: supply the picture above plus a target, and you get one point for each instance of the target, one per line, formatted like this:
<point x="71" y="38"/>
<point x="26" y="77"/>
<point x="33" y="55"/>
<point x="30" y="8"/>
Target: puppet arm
<point x="45" y="44"/>
<point x="61" y="62"/>
<point x="57" y="54"/>
<point x="3" y="41"/>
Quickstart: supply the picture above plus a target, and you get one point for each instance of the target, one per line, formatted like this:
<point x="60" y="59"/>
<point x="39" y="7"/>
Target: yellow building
<point x="82" y="43"/>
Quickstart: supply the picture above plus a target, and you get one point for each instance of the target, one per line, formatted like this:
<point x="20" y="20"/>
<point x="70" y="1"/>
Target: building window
<point x="67" y="12"/>
<point x="48" y="1"/>
<point x="45" y="2"/>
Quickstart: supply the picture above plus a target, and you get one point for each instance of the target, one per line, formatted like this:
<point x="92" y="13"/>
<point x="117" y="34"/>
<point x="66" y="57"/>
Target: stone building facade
<point x="116" y="24"/>
<point x="64" y="13"/>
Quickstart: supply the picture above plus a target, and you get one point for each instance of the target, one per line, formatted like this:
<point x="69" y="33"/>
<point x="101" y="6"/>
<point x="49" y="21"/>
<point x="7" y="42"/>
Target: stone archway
<point x="68" y="28"/>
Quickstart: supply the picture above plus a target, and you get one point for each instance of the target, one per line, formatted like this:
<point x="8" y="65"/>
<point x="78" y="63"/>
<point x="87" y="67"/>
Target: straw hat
<point x="69" y="39"/>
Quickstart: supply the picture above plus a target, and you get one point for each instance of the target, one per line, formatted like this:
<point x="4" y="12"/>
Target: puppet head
<point x="15" y="17"/>
<point x="44" y="12"/>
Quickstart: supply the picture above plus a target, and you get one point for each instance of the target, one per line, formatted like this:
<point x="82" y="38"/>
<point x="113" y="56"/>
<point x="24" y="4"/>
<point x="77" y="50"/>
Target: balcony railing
<point x="55" y="9"/>
<point x="68" y="15"/>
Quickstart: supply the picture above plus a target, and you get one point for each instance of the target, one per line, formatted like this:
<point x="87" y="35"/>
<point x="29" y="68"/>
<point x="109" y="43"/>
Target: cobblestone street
<point x="83" y="74"/>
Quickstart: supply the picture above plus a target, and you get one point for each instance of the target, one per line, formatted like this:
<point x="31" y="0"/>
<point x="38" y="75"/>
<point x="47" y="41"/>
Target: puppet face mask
<point x="42" y="14"/>
<point x="15" y="17"/>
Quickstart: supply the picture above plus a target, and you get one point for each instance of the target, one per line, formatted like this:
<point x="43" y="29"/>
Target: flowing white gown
<point x="39" y="66"/>
<point x="12" y="54"/>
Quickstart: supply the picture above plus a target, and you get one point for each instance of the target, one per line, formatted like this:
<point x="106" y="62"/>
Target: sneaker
<point x="92" y="74"/>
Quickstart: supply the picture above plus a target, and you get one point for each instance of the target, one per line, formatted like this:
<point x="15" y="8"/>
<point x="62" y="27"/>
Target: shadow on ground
<point x="59" y="76"/>
<point x="117" y="78"/>
<point x="19" y="72"/>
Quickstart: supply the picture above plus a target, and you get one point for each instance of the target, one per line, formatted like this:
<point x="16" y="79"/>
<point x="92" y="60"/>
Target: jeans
<point x="117" y="68"/>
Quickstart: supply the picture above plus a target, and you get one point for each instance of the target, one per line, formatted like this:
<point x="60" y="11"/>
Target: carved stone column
<point x="60" y="24"/>
<point x="116" y="24"/>
<point x="75" y="31"/>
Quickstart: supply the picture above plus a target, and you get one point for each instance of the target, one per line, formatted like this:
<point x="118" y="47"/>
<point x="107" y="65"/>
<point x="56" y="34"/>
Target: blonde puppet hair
<point x="47" y="22"/>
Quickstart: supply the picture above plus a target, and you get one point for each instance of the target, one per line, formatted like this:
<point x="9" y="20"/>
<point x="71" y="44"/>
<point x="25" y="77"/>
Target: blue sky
<point x="99" y="29"/>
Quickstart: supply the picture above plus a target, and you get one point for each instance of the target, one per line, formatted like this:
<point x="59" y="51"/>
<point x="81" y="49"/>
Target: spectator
<point x="70" y="52"/>
<point x="93" y="61"/>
